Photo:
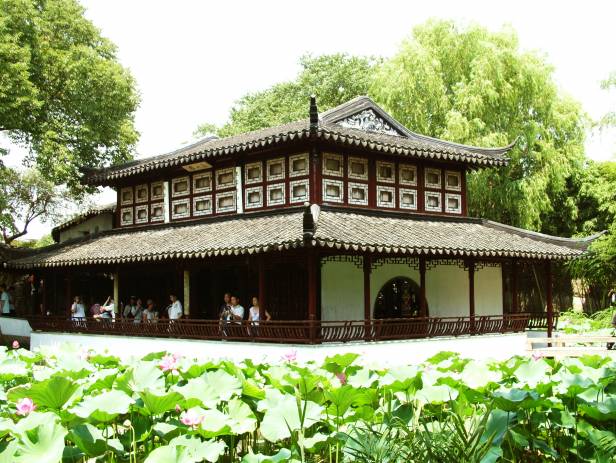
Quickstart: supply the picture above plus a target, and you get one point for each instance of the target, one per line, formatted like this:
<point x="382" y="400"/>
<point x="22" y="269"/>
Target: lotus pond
<point x="75" y="406"/>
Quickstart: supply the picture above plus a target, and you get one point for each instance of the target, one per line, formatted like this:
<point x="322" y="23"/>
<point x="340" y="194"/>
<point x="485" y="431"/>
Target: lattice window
<point x="180" y="208"/>
<point x="275" y="194"/>
<point x="225" y="202"/>
<point x="157" y="212"/>
<point x="432" y="178"/>
<point x="385" y="196"/>
<point x="180" y="186"/>
<point x="253" y="197"/>
<point x="385" y="172"/>
<point x="358" y="194"/>
<point x="275" y="169"/>
<point x="298" y="165"/>
<point x="225" y="178"/>
<point x="433" y="201"/>
<point x="202" y="205"/>
<point x="299" y="191"/>
<point x="433" y="263"/>
<point x="157" y="191"/>
<point x="453" y="180"/>
<point x="126" y="216"/>
<point x="453" y="203"/>
<point x="202" y="182"/>
<point x="126" y="196"/>
<point x="253" y="172"/>
<point x="332" y="165"/>
<point x="141" y="214"/>
<point x="358" y="168"/>
<point x="407" y="174"/>
<point x="333" y="191"/>
<point x="141" y="193"/>
<point x="408" y="199"/>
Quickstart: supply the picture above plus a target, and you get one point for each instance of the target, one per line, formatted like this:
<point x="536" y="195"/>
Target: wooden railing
<point x="296" y="331"/>
<point x="539" y="321"/>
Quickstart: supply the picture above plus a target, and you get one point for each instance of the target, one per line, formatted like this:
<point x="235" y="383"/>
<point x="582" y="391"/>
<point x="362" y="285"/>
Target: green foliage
<point x="447" y="409"/>
<point x="63" y="93"/>
<point x="334" y="79"/>
<point x="24" y="197"/>
<point x="576" y="322"/>
<point x="472" y="86"/>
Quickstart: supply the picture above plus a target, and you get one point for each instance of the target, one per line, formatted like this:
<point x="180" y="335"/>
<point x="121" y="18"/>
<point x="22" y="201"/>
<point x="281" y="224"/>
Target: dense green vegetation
<point x="72" y="405"/>
<point x="599" y="322"/>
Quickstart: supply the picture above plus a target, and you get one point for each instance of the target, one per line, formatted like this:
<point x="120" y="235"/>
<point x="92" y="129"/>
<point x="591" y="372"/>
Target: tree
<point x="476" y="87"/>
<point x="63" y="93"/>
<point x="25" y="197"/>
<point x="334" y="79"/>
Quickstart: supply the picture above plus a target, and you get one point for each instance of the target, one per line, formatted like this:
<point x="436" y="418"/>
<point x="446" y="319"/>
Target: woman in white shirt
<point x="254" y="314"/>
<point x="78" y="311"/>
<point x="175" y="310"/>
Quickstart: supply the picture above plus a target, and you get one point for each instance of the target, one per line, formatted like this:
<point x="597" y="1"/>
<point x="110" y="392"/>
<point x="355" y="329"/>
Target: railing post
<point x="471" y="294"/>
<point x="367" y="298"/>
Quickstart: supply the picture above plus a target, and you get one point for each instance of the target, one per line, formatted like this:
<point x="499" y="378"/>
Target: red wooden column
<point x="471" y="293"/>
<point x="262" y="286"/>
<point x="422" y="287"/>
<point x="69" y="296"/>
<point x="514" y="287"/>
<point x="313" y="287"/>
<point x="367" y="297"/>
<point x="548" y="296"/>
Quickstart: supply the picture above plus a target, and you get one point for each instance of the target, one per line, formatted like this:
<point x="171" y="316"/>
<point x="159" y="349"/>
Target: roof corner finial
<point x="314" y="113"/>
<point x="308" y="223"/>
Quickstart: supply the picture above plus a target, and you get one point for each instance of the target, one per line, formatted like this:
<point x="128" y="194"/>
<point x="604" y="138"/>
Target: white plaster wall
<point x="102" y="221"/>
<point x="342" y="291"/>
<point x="377" y="354"/>
<point x="10" y="326"/>
<point x="447" y="291"/>
<point x="489" y="291"/>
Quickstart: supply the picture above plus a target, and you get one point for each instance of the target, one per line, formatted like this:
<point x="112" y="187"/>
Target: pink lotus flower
<point x="15" y="344"/>
<point x="169" y="363"/>
<point x="178" y="409"/>
<point x="290" y="356"/>
<point x="25" y="406"/>
<point x="537" y="356"/>
<point x="191" y="418"/>
<point x="342" y="378"/>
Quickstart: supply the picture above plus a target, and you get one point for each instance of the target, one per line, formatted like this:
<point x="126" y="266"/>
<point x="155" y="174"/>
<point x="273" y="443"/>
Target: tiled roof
<point x="334" y="229"/>
<point x="406" y="143"/>
<point x="80" y="218"/>
<point x="438" y="235"/>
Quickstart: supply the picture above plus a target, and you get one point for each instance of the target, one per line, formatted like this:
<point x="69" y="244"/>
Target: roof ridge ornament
<point x="308" y="223"/>
<point x="314" y="114"/>
<point x="369" y="121"/>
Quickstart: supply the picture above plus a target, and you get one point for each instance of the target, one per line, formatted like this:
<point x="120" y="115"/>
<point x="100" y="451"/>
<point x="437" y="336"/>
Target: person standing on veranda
<point x="175" y="310"/>
<point x="5" y="301"/>
<point x="78" y="311"/>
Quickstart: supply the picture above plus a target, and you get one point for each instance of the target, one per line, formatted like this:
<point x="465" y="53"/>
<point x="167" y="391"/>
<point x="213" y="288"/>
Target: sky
<point x="193" y="59"/>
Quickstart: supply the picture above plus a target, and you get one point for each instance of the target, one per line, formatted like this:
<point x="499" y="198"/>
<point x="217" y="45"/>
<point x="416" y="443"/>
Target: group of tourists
<point x="134" y="310"/>
<point x="230" y="310"/>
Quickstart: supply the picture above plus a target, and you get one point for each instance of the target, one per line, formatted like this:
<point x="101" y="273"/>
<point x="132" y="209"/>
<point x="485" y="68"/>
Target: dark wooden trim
<point x="548" y="297"/>
<point x="262" y="286"/>
<point x="312" y="267"/>
<point x="514" y="287"/>
<point x="367" y="262"/>
<point x="422" y="287"/>
<point x="294" y="331"/>
<point x="471" y="293"/>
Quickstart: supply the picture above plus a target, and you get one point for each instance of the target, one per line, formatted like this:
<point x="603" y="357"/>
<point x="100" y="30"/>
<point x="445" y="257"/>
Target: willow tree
<point x="473" y="86"/>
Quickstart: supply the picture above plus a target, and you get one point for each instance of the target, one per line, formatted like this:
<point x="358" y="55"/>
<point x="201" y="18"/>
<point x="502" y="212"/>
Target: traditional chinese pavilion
<point x="346" y="225"/>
